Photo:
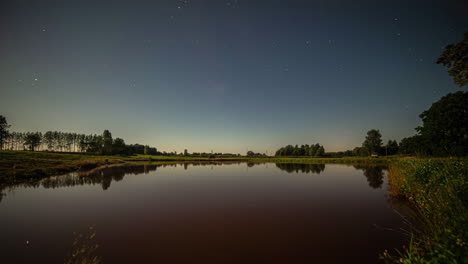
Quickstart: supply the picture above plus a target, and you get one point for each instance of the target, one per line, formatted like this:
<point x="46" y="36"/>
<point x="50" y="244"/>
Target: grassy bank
<point x="438" y="190"/>
<point x="17" y="166"/>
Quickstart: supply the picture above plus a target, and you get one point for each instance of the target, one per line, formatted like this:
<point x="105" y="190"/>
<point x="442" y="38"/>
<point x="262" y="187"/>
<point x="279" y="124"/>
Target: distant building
<point x="374" y="155"/>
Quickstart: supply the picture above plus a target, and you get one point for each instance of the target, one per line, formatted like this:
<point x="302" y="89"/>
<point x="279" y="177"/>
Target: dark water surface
<point x="205" y="213"/>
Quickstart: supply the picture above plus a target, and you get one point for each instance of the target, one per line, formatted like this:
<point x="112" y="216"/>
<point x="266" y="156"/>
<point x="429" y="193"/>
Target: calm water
<point x="199" y="213"/>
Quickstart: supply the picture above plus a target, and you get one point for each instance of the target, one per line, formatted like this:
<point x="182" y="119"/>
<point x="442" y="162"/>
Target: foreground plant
<point x="84" y="249"/>
<point x="438" y="190"/>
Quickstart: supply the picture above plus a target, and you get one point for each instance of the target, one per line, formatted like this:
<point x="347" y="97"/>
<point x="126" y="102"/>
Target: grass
<point x="438" y="190"/>
<point x="17" y="166"/>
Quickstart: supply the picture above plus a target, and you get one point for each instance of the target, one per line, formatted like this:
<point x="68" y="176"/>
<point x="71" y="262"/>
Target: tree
<point x="455" y="57"/>
<point x="391" y="148"/>
<point x="445" y="125"/>
<point x="373" y="141"/>
<point x="414" y="145"/>
<point x="185" y="152"/>
<point x="119" y="147"/>
<point x="360" y="152"/>
<point x="94" y="143"/>
<point x="3" y="131"/>
<point x="320" y="151"/>
<point x="48" y="139"/>
<point x="33" y="140"/>
<point x="107" y="142"/>
<point x="303" y="150"/>
<point x="313" y="149"/>
<point x="296" y="151"/>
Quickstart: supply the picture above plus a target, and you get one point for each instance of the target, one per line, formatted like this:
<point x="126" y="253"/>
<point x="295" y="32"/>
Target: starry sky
<point x="226" y="75"/>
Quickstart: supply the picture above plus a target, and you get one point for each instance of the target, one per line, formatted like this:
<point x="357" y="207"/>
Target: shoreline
<point x="23" y="166"/>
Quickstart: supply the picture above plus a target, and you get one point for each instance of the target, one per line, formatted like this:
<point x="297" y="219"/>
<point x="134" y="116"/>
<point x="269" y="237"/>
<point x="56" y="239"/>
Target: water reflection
<point x="374" y="175"/>
<point x="105" y="175"/>
<point x="275" y="213"/>
<point x="304" y="168"/>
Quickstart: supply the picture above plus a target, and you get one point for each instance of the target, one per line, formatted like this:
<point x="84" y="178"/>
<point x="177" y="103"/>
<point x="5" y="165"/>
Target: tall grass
<point x="438" y="190"/>
<point x="84" y="249"/>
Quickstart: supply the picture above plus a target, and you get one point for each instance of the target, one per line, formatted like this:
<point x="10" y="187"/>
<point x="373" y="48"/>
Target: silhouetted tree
<point x="303" y="150"/>
<point x="107" y="142"/>
<point x="392" y="147"/>
<point x="320" y="151"/>
<point x="414" y="145"/>
<point x="361" y="152"/>
<point x="455" y="57"/>
<point x="373" y="141"/>
<point x="445" y="125"/>
<point x="3" y="131"/>
<point x="33" y="140"/>
<point x="119" y="147"/>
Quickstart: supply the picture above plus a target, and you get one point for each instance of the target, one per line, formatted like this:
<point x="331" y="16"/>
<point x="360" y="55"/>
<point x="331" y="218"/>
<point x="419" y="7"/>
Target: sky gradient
<point x="226" y="75"/>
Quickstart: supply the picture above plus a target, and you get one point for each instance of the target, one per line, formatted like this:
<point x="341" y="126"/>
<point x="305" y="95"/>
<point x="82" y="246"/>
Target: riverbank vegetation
<point x="437" y="189"/>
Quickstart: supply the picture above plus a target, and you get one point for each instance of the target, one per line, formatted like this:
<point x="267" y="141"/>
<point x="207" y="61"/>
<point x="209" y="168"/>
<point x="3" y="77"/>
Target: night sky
<point x="226" y="75"/>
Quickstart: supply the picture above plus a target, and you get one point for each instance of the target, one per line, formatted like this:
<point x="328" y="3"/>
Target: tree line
<point x="57" y="141"/>
<point x="314" y="150"/>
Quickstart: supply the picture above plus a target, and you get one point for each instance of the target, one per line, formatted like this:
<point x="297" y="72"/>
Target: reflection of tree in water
<point x="252" y="164"/>
<point x="374" y="175"/>
<point x="304" y="168"/>
<point x="102" y="176"/>
<point x="105" y="176"/>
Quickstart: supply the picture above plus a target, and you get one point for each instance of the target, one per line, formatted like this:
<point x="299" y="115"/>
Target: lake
<point x="204" y="213"/>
